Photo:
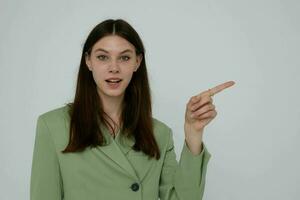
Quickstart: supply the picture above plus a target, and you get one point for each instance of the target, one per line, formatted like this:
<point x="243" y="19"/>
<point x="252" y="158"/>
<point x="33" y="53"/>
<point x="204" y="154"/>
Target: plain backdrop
<point x="190" y="46"/>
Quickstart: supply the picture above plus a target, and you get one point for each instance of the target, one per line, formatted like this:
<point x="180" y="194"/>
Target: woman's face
<point x="112" y="57"/>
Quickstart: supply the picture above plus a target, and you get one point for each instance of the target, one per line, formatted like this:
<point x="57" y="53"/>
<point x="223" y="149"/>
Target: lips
<point x="113" y="83"/>
<point x="113" y="80"/>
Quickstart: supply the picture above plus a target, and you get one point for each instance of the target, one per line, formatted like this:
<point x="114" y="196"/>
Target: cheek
<point x="128" y="76"/>
<point x="98" y="76"/>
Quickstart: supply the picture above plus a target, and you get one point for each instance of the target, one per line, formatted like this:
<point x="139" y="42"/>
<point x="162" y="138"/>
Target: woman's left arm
<point x="200" y="110"/>
<point x="186" y="179"/>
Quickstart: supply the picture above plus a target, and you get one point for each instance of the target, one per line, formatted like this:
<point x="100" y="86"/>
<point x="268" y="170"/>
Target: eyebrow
<point x="126" y="50"/>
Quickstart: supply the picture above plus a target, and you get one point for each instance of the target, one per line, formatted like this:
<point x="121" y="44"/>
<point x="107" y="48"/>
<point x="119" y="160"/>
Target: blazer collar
<point x="137" y="165"/>
<point x="125" y="143"/>
<point x="115" y="150"/>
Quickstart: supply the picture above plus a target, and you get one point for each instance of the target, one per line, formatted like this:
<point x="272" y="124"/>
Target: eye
<point x="101" y="57"/>
<point x="125" y="58"/>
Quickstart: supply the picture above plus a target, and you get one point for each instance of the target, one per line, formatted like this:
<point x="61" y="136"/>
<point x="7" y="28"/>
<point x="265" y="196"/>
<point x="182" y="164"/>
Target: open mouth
<point x="113" y="81"/>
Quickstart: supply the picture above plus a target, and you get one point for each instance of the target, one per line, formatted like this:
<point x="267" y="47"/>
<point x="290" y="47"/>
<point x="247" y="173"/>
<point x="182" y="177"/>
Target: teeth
<point x="113" y="81"/>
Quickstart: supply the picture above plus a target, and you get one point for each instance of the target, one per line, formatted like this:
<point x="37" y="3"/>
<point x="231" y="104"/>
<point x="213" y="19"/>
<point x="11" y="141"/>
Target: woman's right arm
<point x="45" y="182"/>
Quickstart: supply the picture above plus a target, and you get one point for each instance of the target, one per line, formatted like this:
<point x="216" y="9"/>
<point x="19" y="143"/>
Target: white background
<point x="190" y="46"/>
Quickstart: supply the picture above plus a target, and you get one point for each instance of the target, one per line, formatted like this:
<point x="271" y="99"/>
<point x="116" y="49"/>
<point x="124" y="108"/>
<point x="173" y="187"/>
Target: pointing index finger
<point x="220" y="87"/>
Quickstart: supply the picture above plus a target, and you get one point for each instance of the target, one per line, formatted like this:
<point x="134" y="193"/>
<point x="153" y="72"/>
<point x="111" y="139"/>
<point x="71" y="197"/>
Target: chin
<point x="113" y="93"/>
<point x="116" y="94"/>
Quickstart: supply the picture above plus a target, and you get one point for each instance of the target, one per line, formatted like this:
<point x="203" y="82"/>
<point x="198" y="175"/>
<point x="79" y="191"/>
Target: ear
<point x="88" y="61"/>
<point x="139" y="59"/>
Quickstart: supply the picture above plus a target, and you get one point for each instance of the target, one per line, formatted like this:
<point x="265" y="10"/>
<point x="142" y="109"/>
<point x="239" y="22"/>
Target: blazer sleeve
<point x="186" y="179"/>
<point x="45" y="182"/>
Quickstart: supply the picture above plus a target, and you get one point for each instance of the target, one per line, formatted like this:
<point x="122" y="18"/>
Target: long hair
<point x="86" y="112"/>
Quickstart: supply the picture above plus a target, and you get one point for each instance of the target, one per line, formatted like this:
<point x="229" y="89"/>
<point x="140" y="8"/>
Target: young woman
<point x="106" y="145"/>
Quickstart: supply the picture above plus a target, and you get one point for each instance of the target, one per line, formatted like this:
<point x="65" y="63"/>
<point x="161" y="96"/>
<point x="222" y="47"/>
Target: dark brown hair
<point x="86" y="112"/>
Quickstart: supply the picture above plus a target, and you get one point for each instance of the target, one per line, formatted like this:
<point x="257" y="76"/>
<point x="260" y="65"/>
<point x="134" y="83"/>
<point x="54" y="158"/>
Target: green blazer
<point x="114" y="171"/>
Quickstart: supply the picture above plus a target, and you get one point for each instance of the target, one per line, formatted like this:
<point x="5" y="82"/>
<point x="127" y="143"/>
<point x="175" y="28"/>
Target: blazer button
<point x="135" y="187"/>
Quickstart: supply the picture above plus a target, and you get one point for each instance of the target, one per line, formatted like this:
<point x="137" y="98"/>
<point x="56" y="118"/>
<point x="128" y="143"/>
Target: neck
<point x="112" y="106"/>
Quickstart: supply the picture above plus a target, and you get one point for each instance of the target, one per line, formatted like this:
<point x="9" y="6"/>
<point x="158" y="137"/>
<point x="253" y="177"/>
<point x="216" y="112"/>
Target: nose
<point x="114" y="67"/>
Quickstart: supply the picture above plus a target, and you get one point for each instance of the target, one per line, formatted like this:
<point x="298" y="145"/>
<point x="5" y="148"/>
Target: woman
<point x="106" y="144"/>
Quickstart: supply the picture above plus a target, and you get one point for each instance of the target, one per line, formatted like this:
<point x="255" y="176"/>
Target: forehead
<point x="113" y="44"/>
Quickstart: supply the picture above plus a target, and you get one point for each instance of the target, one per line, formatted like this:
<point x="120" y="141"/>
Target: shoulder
<point x="160" y="125"/>
<point x="55" y="114"/>
<point x="162" y="131"/>
<point x="56" y="120"/>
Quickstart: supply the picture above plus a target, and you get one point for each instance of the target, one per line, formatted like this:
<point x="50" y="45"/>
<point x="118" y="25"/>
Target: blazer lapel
<point x="120" y="151"/>
<point x="138" y="159"/>
<point x="113" y="151"/>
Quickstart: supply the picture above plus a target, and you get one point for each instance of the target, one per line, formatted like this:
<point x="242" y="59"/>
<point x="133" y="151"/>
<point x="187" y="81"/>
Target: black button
<point x="135" y="187"/>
